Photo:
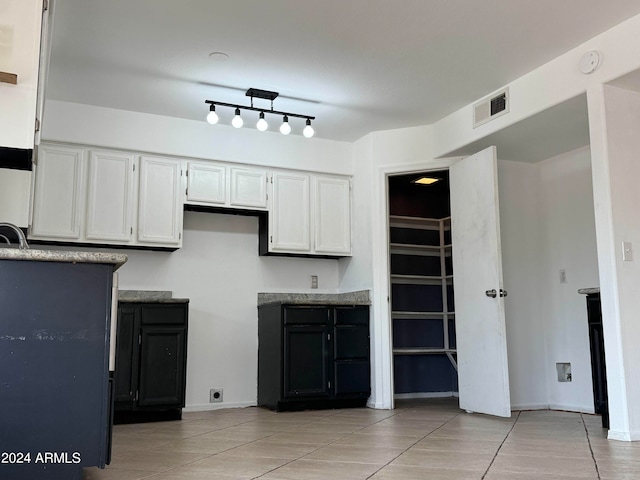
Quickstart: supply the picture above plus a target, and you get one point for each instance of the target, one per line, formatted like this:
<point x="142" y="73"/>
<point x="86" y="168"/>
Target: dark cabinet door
<point x="126" y="375"/>
<point x="352" y="375"/>
<point x="162" y="366"/>
<point x="306" y="363"/>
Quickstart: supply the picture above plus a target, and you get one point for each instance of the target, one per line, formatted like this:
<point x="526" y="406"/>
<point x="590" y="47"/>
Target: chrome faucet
<point x="21" y="238"/>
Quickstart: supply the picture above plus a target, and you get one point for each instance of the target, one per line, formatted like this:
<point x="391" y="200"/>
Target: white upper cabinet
<point x="110" y="196"/>
<point x="222" y="185"/>
<point x="306" y="207"/>
<point x="332" y="215"/>
<point x="248" y="188"/>
<point x="58" y="193"/>
<point x="160" y="203"/>
<point x="206" y="184"/>
<point x="289" y="216"/>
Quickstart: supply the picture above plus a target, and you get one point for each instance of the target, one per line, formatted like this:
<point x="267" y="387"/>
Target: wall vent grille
<point x="491" y="107"/>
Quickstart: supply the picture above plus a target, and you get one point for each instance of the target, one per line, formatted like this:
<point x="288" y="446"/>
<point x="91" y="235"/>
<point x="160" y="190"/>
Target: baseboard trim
<point x="530" y="406"/>
<point x="623" y="436"/>
<point x="218" y="406"/>
<point x="571" y="408"/>
<point x="416" y="395"/>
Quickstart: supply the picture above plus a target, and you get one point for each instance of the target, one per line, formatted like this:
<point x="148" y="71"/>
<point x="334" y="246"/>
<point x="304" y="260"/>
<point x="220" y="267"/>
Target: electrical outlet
<point x="563" y="276"/>
<point x="215" y="395"/>
<point x="314" y="281"/>
<point x="564" y="372"/>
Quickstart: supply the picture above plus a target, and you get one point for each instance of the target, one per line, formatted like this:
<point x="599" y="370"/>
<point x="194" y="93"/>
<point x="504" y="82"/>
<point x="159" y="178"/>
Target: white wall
<point x="20" y="23"/>
<point x="108" y="127"/>
<point x="547" y="224"/>
<point x="520" y="232"/>
<point x="568" y="241"/>
<point x="614" y="118"/>
<point x="14" y="196"/>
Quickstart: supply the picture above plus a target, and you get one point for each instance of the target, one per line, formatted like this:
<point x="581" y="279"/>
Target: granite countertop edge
<point x="148" y="296"/>
<point x="361" y="297"/>
<point x="32" y="254"/>
<point x="589" y="291"/>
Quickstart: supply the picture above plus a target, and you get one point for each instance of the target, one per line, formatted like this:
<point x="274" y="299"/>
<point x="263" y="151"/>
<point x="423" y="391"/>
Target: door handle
<point x="491" y="293"/>
<point x="503" y="293"/>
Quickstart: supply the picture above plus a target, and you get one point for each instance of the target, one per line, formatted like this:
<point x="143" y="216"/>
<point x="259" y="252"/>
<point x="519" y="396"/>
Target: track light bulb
<point x="237" y="120"/>
<point x="285" y="128"/>
<point x="262" y="124"/>
<point x="212" y="117"/>
<point x="308" y="130"/>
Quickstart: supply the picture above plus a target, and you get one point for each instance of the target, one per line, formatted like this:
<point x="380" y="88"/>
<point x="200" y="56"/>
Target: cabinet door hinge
<point x="329" y="384"/>
<point x="37" y="125"/>
<point x="140" y="339"/>
<point x="271" y="238"/>
<point x="137" y="396"/>
<point x="180" y="236"/>
<point x="328" y="336"/>
<point x="45" y="5"/>
<point x="134" y="167"/>
<point x="131" y="232"/>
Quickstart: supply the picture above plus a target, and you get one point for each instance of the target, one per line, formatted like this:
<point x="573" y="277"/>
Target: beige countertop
<point x="32" y="254"/>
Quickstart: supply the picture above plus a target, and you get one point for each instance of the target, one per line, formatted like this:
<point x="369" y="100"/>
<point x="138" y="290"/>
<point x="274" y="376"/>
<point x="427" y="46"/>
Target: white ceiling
<point x="357" y="65"/>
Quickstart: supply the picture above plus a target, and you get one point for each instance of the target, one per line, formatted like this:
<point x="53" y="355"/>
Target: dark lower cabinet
<point x="151" y="360"/>
<point x="598" y="364"/>
<point x="313" y="356"/>
<point x="54" y="368"/>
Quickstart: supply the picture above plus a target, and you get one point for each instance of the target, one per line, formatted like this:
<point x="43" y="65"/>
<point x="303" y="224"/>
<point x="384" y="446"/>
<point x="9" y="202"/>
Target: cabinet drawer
<point x="163" y="314"/>
<point x="305" y="315"/>
<point x="352" y="316"/>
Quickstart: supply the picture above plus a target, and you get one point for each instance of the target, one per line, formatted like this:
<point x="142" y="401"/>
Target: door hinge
<point x="186" y="192"/>
<point x="186" y="173"/>
<point x="37" y="125"/>
<point x="180" y="236"/>
<point x="140" y="339"/>
<point x="328" y="336"/>
<point x="131" y="231"/>
<point x="271" y="239"/>
<point x="45" y="5"/>
<point x="134" y="167"/>
<point x="329" y="384"/>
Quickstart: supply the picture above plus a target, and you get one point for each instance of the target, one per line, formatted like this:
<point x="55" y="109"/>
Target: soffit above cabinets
<point x="552" y="132"/>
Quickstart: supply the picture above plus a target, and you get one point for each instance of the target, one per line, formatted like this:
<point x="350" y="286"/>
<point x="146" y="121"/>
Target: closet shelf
<point x="419" y="250"/>
<point x="422" y="351"/>
<point x="420" y="315"/>
<point x="419" y="223"/>
<point x="420" y="279"/>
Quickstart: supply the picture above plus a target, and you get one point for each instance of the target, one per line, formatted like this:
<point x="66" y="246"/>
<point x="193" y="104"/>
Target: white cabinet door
<point x="248" y="187"/>
<point x="110" y="196"/>
<point x="289" y="222"/>
<point x="332" y="215"/>
<point x="206" y="183"/>
<point x="483" y="373"/>
<point x="160" y="203"/>
<point x="58" y="192"/>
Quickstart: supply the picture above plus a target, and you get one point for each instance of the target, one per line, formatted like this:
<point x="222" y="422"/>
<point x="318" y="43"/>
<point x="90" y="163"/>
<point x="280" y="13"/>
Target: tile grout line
<point x="500" y="447"/>
<point x="586" y="430"/>
<point x="413" y="445"/>
<point x="323" y="446"/>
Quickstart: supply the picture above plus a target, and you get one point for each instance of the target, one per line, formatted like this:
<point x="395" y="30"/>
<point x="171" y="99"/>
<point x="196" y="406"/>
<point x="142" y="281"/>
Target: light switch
<point x="314" y="281"/>
<point x="627" y="252"/>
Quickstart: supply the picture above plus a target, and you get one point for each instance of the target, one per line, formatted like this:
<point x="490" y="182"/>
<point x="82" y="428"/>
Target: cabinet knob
<point x="491" y="293"/>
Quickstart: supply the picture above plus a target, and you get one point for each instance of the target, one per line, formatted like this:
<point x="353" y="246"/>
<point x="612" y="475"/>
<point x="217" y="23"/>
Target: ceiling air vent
<point x="490" y="108"/>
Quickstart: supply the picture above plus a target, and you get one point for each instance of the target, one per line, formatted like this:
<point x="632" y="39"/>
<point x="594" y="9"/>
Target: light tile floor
<point x="431" y="440"/>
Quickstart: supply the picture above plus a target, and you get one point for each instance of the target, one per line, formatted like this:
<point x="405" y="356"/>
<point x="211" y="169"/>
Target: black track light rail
<point x="255" y="109"/>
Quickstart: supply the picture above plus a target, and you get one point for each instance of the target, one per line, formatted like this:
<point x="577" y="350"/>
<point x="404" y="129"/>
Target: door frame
<point x="381" y="341"/>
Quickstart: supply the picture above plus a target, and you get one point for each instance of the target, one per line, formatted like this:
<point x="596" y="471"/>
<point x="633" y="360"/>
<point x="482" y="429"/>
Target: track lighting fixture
<point x="212" y="117"/>
<point x="262" y="125"/>
<point x="285" y="128"/>
<point x="237" y="119"/>
<point x="308" y="130"/>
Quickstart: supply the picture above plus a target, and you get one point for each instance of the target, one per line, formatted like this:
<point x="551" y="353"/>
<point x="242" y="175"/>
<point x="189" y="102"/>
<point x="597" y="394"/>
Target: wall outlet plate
<point x="564" y="372"/>
<point x="215" y="395"/>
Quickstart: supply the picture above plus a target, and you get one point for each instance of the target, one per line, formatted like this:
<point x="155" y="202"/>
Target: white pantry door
<point x="483" y="372"/>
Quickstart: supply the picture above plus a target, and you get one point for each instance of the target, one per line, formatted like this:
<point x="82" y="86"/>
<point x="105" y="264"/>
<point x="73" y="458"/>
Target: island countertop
<point x="32" y="254"/>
